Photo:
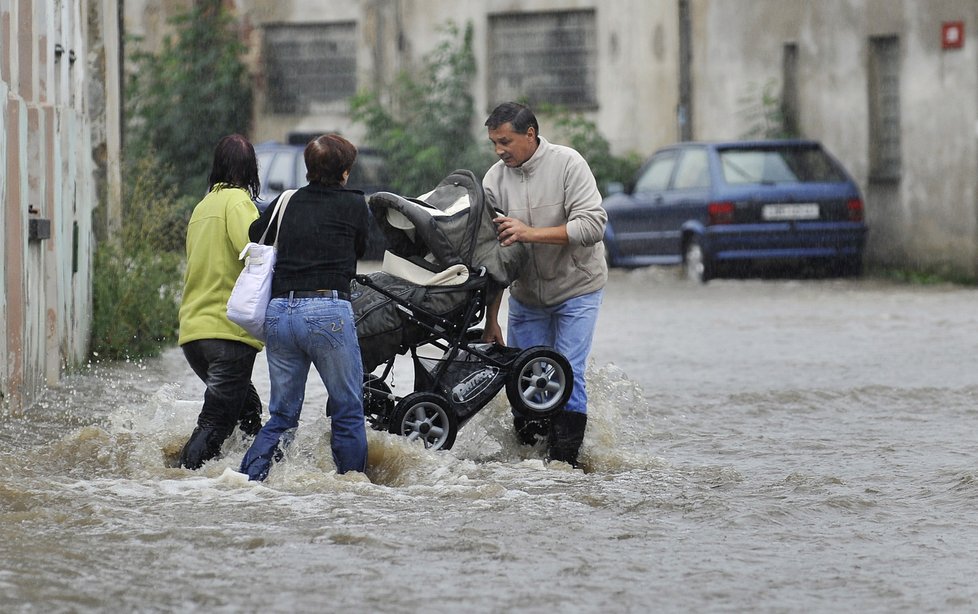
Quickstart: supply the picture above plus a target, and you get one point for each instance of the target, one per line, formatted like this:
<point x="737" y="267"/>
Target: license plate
<point x="784" y="211"/>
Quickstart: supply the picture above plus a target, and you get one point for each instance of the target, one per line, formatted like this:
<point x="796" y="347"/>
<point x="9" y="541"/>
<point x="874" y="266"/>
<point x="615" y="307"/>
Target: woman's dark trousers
<point x="230" y="398"/>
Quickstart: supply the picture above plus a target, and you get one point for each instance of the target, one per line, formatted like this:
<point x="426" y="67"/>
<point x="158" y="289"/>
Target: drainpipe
<point x="684" y="112"/>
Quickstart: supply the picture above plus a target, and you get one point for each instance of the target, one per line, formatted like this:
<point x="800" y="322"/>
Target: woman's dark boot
<point x="203" y="445"/>
<point x="566" y="436"/>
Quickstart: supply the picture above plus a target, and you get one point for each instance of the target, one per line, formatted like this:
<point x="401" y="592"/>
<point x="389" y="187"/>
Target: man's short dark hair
<point x="520" y="116"/>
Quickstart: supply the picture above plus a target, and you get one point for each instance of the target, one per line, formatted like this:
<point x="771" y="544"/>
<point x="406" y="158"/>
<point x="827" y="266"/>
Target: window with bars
<point x="310" y="68"/>
<point x="884" y="108"/>
<point x="544" y="58"/>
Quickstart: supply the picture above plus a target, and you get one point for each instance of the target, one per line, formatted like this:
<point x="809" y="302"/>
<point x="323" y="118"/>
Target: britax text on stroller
<point x="442" y="263"/>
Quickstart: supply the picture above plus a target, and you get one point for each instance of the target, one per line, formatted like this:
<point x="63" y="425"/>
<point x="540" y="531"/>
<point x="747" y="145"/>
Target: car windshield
<point x="780" y="165"/>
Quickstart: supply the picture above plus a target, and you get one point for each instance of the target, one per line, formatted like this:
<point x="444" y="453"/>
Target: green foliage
<point x="924" y="275"/>
<point x="583" y="135"/>
<point x="761" y="112"/>
<point x="137" y="276"/>
<point x="135" y="311"/>
<point x="154" y="214"/>
<point x="423" y="122"/>
<point x="180" y="102"/>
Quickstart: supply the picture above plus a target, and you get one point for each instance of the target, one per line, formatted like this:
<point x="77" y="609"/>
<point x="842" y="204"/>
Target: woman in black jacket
<point x="310" y="319"/>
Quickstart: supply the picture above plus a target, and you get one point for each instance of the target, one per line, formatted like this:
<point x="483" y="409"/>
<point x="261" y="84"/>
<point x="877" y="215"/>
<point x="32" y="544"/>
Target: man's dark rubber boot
<point x="203" y="445"/>
<point x="529" y="432"/>
<point x="566" y="436"/>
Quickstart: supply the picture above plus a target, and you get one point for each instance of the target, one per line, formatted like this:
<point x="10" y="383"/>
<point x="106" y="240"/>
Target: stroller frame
<point x="450" y="390"/>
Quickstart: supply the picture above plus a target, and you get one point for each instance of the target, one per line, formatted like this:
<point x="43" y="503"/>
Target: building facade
<point x="890" y="86"/>
<point x="59" y="155"/>
<point x="613" y="60"/>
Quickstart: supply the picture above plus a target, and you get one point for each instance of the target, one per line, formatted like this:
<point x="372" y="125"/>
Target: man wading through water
<point x="549" y="200"/>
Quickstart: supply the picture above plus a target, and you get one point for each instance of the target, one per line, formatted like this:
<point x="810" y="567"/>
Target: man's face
<point x="513" y="148"/>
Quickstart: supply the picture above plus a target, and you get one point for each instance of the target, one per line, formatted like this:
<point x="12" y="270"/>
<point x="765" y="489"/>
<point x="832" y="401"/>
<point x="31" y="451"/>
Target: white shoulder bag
<point x="253" y="289"/>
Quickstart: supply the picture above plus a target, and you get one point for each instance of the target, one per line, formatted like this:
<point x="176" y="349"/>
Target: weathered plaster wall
<point x="51" y="125"/>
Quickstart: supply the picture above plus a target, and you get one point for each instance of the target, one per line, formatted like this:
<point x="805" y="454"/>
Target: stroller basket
<point x="392" y="313"/>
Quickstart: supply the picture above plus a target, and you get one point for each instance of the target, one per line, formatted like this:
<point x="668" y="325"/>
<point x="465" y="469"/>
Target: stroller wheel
<point x="426" y="416"/>
<point x="539" y="383"/>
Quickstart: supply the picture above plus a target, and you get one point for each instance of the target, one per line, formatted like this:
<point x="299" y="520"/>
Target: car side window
<point x="657" y="173"/>
<point x="280" y="172"/>
<point x="300" y="169"/>
<point x="693" y="170"/>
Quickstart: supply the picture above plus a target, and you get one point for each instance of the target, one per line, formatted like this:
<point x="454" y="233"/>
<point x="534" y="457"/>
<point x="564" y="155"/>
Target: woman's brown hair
<point x="327" y="158"/>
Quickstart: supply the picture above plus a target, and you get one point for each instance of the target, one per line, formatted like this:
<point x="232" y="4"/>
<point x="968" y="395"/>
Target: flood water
<point x="753" y="445"/>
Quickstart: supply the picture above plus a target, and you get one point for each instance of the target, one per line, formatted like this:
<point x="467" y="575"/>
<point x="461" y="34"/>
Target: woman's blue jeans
<point x="300" y="332"/>
<point x="567" y="327"/>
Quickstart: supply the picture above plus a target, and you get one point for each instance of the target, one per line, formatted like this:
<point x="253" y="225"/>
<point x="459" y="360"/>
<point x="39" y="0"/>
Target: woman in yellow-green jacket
<point x="219" y="351"/>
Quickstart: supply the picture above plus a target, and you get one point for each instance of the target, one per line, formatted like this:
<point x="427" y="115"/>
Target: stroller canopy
<point x="449" y="225"/>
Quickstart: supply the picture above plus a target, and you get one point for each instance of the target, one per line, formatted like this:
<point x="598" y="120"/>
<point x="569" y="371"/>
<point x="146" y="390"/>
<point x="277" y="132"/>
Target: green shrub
<point x="135" y="297"/>
<point x="181" y="101"/>
<point x="760" y="111"/>
<point x="137" y="275"/>
<point x="583" y="135"/>
<point x="423" y="122"/>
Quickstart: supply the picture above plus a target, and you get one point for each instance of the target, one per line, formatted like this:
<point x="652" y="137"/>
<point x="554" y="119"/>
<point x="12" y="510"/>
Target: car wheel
<point x="540" y="382"/>
<point x="696" y="267"/>
<point x="426" y="416"/>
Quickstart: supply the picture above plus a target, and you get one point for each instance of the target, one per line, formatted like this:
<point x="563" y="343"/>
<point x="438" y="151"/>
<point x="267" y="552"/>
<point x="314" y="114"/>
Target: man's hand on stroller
<point x="492" y="333"/>
<point x="510" y="230"/>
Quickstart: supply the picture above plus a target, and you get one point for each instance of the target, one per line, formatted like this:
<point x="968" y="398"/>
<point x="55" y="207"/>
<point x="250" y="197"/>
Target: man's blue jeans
<point x="567" y="327"/>
<point x="300" y="332"/>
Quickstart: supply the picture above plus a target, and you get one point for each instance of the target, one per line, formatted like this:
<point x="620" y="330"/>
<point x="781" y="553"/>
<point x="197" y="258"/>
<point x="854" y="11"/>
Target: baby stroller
<point x="443" y="263"/>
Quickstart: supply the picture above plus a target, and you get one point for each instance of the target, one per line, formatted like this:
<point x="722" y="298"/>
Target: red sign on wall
<point x="952" y="35"/>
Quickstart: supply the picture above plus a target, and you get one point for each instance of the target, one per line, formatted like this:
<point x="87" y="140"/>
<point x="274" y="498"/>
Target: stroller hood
<point x="452" y="224"/>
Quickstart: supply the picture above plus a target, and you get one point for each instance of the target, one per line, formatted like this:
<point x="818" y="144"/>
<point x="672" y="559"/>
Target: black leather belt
<point x="343" y="296"/>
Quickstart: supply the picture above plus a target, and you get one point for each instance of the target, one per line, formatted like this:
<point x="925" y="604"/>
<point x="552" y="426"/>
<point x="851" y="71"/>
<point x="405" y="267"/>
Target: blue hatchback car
<point x="705" y="205"/>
